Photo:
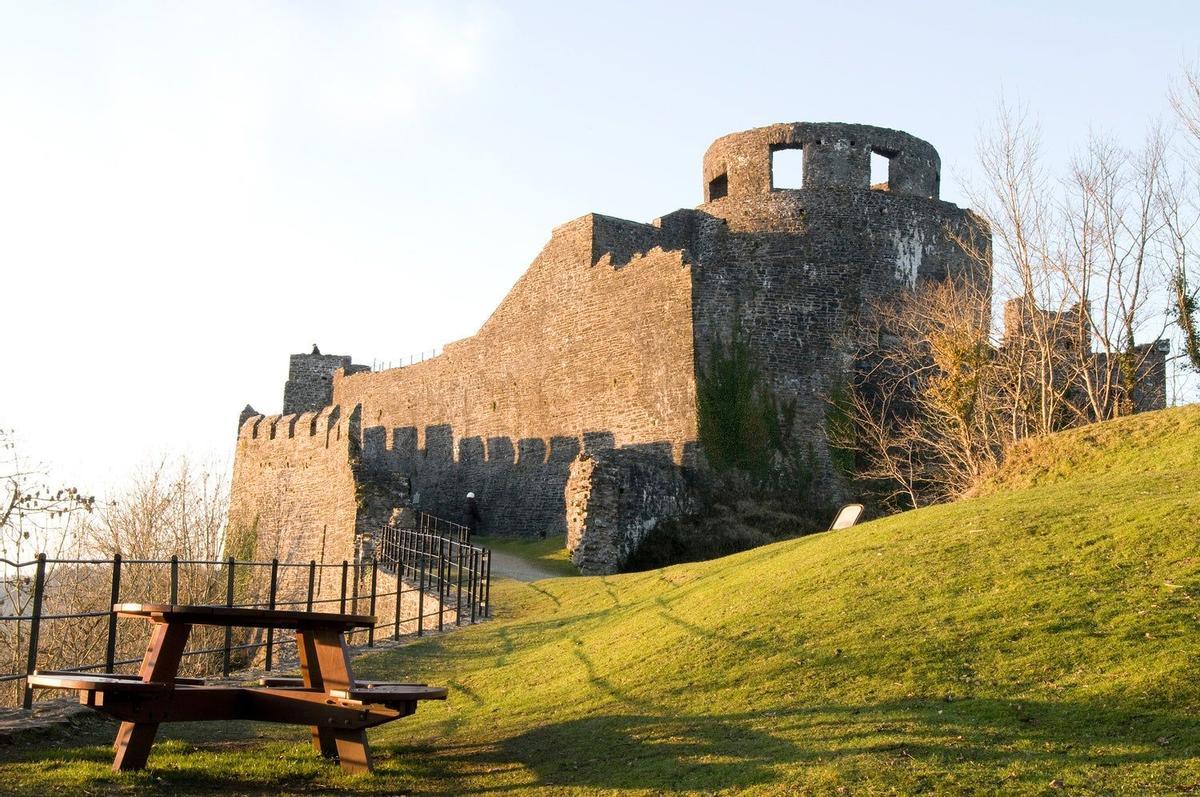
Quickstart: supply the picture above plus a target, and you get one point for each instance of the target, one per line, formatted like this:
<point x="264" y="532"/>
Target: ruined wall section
<point x="592" y="349"/>
<point x="615" y="499"/>
<point x="293" y="495"/>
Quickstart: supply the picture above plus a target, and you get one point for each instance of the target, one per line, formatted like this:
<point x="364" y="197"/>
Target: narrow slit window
<point x="787" y="168"/>
<point x="881" y="166"/>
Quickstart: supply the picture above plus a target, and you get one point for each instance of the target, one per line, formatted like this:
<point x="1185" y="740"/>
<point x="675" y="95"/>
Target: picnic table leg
<point x="354" y="754"/>
<point x="161" y="663"/>
<point x="333" y="660"/>
<point x="310" y="672"/>
<point x="134" y="740"/>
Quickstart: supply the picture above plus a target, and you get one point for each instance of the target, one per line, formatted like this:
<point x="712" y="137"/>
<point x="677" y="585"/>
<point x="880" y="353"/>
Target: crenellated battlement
<point x="262" y="429"/>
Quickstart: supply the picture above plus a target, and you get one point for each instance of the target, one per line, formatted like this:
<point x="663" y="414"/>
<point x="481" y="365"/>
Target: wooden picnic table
<point x="326" y="697"/>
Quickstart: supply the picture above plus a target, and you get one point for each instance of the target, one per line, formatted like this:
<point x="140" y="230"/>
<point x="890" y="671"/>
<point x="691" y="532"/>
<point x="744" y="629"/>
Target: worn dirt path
<point x="506" y="565"/>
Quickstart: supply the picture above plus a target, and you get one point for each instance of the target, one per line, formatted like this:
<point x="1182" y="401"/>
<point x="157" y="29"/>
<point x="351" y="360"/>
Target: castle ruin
<point x="574" y="407"/>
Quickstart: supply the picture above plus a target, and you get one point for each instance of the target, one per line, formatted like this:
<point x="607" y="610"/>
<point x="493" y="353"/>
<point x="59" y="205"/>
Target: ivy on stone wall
<point x="841" y="434"/>
<point x="743" y="426"/>
<point x="241" y="539"/>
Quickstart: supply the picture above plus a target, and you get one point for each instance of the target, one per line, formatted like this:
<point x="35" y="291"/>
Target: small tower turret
<point x="309" y="386"/>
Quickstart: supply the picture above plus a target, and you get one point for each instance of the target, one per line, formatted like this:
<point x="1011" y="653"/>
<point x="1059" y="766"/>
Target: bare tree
<point x="924" y="414"/>
<point x="34" y="519"/>
<point x="1084" y="268"/>
<point x="1114" y="269"/>
<point x="1015" y="195"/>
<point x="175" y="508"/>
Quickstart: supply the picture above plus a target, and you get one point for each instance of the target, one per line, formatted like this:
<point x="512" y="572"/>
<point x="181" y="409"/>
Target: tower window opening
<point x="718" y="187"/>
<point x="881" y="167"/>
<point x="787" y="168"/>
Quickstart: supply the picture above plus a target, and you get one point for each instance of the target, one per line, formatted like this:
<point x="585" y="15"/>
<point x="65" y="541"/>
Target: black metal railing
<point x="432" y="524"/>
<point x="456" y="570"/>
<point x="63" y="607"/>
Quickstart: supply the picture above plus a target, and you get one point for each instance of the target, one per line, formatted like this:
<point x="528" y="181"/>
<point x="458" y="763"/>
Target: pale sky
<point x="189" y="192"/>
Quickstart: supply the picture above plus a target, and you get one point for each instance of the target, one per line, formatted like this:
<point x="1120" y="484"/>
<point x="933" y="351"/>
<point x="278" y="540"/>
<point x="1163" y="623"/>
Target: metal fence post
<point x="422" y="544"/>
<point x="458" y="598"/>
<point x="228" y="629"/>
<point x="412" y="553"/>
<point x="476" y="558"/>
<point x="487" y="585"/>
<point x="312" y="580"/>
<point x="174" y="580"/>
<point x="371" y="611"/>
<point x="114" y="596"/>
<point x="400" y="593"/>
<point x="421" y="601"/>
<point x="342" y="603"/>
<point x="271" y="605"/>
<point x="35" y="625"/>
<point x="443" y="568"/>
<point x="402" y="553"/>
<point x="441" y="589"/>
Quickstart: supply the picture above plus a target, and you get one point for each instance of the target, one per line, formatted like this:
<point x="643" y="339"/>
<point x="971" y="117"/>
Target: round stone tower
<point x="791" y="269"/>
<point x="836" y="156"/>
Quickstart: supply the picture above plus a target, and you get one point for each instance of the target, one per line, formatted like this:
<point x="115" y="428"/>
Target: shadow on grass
<point x="995" y="744"/>
<point x="1005" y="743"/>
<point x="613" y="751"/>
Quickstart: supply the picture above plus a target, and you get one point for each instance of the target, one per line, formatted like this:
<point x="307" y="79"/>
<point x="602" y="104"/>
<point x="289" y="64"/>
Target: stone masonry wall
<point x="592" y="349"/>
<point x="293" y="495"/>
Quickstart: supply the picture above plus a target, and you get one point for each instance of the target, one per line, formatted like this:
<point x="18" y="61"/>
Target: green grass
<point x="1041" y="638"/>
<point x="549" y="554"/>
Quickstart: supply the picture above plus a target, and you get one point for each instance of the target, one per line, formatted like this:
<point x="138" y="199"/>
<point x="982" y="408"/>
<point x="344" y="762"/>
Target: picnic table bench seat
<point x="381" y="692"/>
<point x="298" y="682"/>
<point x="108" y="682"/>
<point x="388" y="694"/>
<point x="87" y="682"/>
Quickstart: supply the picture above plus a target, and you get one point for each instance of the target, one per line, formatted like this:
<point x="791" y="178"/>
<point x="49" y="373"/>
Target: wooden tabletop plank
<point x="242" y="617"/>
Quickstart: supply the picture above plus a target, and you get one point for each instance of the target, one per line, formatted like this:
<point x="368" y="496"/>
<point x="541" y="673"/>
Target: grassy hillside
<point x="1042" y="637"/>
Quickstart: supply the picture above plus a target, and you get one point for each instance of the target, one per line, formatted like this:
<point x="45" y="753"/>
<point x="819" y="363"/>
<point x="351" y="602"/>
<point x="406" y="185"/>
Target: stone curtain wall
<point x="1071" y="328"/>
<point x="592" y="349"/>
